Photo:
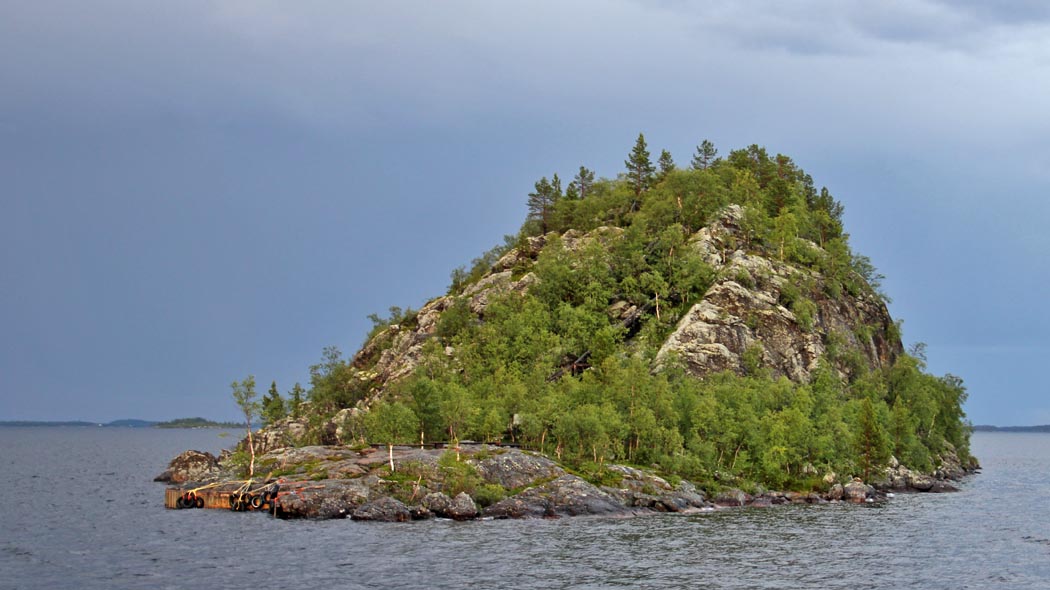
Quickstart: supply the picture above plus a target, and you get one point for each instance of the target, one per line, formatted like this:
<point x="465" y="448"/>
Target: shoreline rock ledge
<point x="485" y="481"/>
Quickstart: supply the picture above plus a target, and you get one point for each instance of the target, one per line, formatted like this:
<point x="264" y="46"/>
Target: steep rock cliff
<point x="744" y="312"/>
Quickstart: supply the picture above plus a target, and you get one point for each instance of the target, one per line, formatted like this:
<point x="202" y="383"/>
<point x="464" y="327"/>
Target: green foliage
<point x="458" y="476"/>
<point x="396" y="316"/>
<point x="805" y="311"/>
<point x="581" y="184"/>
<point x="334" y="383"/>
<point x="564" y="369"/>
<point x="705" y="155"/>
<point x="454" y="320"/>
<point x="666" y="164"/>
<point x="391" y="423"/>
<point x="295" y="400"/>
<point x="744" y="278"/>
<point x="751" y="359"/>
<point x="640" y="168"/>
<point x="273" y="405"/>
<point x="871" y="445"/>
<point x="488" y="494"/>
<point x="244" y="395"/>
<point x="238" y="462"/>
<point x="541" y="203"/>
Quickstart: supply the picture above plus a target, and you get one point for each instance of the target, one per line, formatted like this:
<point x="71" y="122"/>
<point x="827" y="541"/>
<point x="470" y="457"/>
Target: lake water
<point x="80" y="511"/>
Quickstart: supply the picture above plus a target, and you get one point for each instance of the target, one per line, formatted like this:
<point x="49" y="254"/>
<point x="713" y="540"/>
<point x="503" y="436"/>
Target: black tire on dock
<point x="199" y="502"/>
<point x="180" y="503"/>
<point x="256" y="501"/>
<point x="233" y="502"/>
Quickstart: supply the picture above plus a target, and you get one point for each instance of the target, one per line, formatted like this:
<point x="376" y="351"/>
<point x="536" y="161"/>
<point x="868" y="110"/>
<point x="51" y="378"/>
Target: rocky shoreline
<point x="485" y="481"/>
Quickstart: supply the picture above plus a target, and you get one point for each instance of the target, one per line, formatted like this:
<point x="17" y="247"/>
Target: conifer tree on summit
<point x="705" y="155"/>
<point x="583" y="182"/>
<point x="273" y="405"/>
<point x="541" y="201"/>
<point x="640" y="168"/>
<point x="667" y="166"/>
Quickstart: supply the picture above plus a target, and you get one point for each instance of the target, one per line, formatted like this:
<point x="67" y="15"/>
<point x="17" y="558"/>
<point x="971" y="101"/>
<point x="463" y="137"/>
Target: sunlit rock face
<point x="744" y="313"/>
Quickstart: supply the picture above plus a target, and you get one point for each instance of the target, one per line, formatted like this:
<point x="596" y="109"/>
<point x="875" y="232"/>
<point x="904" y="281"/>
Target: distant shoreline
<point x="989" y="428"/>
<point x="125" y="423"/>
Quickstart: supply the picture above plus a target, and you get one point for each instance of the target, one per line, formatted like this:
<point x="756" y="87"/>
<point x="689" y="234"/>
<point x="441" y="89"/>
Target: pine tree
<point x="583" y="182"/>
<point x="640" y="168"/>
<point x="541" y="202"/>
<point x="706" y="154"/>
<point x="666" y="164"/>
<point x="870" y="441"/>
<point x="273" y="407"/>
<point x="295" y="402"/>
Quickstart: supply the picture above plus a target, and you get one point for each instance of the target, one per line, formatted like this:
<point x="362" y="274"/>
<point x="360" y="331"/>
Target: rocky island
<point x="671" y="340"/>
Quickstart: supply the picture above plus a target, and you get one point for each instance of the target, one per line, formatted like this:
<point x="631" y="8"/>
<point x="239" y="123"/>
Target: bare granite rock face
<point x="857" y="491"/>
<point x="437" y="503"/>
<point x="462" y="508"/>
<point x="899" y="478"/>
<point x="743" y="311"/>
<point x="732" y="497"/>
<point x="399" y="348"/>
<point x="284" y="433"/>
<point x="384" y="509"/>
<point x="567" y="495"/>
<point x="517" y="469"/>
<point x="642" y="489"/>
<point x="193" y="466"/>
<point x="325" y="499"/>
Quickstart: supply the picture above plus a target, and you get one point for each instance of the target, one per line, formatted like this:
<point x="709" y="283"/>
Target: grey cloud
<point x="1011" y="12"/>
<point x="854" y="27"/>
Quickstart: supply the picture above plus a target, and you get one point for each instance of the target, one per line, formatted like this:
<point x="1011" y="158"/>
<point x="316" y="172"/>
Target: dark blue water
<point x="79" y="511"/>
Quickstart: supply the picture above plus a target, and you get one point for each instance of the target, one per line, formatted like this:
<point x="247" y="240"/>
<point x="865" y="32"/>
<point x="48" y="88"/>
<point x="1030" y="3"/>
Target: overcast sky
<point x="197" y="191"/>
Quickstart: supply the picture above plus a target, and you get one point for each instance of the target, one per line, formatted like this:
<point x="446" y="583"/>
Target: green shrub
<point x="805" y="312"/>
<point x="454" y="320"/>
<point x="751" y="359"/>
<point x="599" y="475"/>
<point x="789" y="293"/>
<point x="488" y="494"/>
<point x="744" y="278"/>
<point x="457" y="475"/>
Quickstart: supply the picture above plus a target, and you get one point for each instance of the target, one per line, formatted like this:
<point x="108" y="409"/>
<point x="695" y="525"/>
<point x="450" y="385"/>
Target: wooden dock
<point x="211" y="498"/>
<point x="239" y="496"/>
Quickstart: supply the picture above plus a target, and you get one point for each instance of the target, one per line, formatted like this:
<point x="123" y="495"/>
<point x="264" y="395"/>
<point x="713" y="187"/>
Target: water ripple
<point x="88" y="516"/>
